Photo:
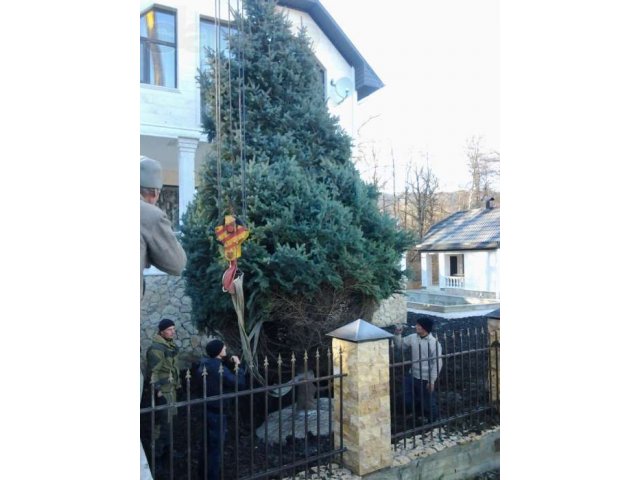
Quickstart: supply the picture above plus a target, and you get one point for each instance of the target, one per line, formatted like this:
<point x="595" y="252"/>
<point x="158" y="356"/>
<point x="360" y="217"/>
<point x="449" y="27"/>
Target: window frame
<point x="223" y="24"/>
<point x="145" y="59"/>
<point x="322" y="71"/>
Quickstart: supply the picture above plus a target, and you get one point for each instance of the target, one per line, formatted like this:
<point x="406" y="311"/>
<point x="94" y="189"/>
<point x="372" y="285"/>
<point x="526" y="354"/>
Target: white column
<point x="442" y="270"/>
<point x="425" y="268"/>
<point x="186" y="172"/>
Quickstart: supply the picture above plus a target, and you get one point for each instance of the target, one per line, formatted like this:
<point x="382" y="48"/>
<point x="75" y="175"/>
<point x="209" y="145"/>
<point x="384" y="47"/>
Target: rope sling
<point x="232" y="231"/>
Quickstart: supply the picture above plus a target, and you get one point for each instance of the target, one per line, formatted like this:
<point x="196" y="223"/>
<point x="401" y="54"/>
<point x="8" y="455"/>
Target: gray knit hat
<point x="150" y="173"/>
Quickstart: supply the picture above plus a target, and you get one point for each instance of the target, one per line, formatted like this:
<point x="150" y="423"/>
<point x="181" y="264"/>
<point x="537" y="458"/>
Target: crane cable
<point x="232" y="232"/>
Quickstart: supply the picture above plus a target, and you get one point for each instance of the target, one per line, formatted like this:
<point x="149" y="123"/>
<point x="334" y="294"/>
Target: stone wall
<point x="391" y="311"/>
<point x="447" y="460"/>
<point x="165" y="298"/>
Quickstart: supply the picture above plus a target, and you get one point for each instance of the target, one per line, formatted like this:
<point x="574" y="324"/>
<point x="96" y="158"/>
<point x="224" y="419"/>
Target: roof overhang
<point x="367" y="81"/>
<point x="449" y="247"/>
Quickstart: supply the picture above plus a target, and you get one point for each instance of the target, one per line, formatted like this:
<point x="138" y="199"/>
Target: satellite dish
<point x="340" y="90"/>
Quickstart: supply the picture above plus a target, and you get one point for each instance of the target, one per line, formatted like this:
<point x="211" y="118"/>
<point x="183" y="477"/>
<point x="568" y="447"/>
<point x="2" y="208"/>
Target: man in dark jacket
<point x="218" y="409"/>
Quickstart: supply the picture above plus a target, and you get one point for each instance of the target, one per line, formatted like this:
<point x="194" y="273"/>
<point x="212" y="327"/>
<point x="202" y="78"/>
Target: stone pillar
<point x="362" y="351"/>
<point x="186" y="172"/>
<point x="493" y="322"/>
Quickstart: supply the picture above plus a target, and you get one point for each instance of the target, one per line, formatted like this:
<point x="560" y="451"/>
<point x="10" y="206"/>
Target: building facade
<point x="174" y="36"/>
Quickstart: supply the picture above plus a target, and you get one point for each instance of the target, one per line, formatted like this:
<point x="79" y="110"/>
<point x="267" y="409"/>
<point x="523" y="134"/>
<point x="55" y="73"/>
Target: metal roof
<point x="367" y="81"/>
<point x="477" y="229"/>
<point x="494" y="314"/>
<point x="359" y="331"/>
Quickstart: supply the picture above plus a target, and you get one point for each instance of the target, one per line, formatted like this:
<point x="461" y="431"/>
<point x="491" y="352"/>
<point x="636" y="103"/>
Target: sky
<point x="439" y="61"/>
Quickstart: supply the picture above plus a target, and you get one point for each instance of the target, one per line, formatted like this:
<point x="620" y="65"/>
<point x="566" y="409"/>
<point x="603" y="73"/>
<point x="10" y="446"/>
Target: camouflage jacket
<point x="162" y="363"/>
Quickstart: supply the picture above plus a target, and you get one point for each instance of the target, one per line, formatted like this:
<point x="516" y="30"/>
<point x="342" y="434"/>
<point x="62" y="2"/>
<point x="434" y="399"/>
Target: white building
<point x="173" y="37"/>
<point x="461" y="254"/>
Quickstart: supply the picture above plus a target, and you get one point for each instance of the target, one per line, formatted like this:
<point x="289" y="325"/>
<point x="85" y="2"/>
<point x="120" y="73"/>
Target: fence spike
<point x="306" y="357"/>
<point x="204" y="371"/>
<point x="188" y="374"/>
<point x="293" y="358"/>
<point x="221" y="369"/>
<point x="317" y="354"/>
<point x="266" y="362"/>
<point x="279" y="360"/>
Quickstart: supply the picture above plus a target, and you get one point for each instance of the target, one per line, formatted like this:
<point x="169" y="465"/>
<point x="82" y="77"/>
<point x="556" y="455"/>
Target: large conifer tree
<point x="319" y="254"/>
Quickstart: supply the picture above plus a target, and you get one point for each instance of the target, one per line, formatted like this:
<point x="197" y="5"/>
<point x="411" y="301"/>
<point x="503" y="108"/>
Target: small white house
<point x="174" y="35"/>
<point x="461" y="254"/>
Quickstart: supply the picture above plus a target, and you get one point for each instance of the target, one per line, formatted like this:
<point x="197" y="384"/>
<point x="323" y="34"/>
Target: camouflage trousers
<point x="164" y="420"/>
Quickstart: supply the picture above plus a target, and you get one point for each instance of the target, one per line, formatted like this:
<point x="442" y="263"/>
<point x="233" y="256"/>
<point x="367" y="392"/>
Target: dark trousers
<point x="417" y="395"/>
<point x="215" y="443"/>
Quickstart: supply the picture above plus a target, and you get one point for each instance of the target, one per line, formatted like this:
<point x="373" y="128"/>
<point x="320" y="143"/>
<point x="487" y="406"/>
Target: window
<point x="209" y="40"/>
<point x="456" y="265"/>
<point x="208" y="43"/>
<point x="169" y="204"/>
<point x="323" y="79"/>
<point x="158" y="48"/>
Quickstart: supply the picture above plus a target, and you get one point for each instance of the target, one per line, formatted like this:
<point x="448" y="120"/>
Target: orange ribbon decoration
<point x="231" y="235"/>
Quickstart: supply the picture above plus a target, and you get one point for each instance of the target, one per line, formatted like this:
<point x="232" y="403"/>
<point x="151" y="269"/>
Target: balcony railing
<point x="453" y="282"/>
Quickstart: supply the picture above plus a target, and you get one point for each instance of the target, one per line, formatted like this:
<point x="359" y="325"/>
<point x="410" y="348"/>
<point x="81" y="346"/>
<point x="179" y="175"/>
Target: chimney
<point x="489" y="203"/>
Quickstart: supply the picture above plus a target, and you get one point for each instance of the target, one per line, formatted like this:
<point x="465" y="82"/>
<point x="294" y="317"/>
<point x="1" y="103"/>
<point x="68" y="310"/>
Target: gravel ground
<point x="402" y="456"/>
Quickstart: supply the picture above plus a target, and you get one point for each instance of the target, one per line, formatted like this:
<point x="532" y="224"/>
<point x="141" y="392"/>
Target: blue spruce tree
<point x="320" y="253"/>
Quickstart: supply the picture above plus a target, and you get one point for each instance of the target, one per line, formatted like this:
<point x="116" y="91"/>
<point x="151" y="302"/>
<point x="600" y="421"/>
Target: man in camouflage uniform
<point x="162" y="367"/>
<point x="158" y="246"/>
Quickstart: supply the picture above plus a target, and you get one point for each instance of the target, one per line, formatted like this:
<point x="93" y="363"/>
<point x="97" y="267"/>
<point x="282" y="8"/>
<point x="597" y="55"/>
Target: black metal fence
<point x="465" y="396"/>
<point x="285" y="428"/>
<point x="268" y="431"/>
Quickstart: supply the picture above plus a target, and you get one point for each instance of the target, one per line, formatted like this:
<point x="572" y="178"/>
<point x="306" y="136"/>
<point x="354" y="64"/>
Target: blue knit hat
<point x="214" y="347"/>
